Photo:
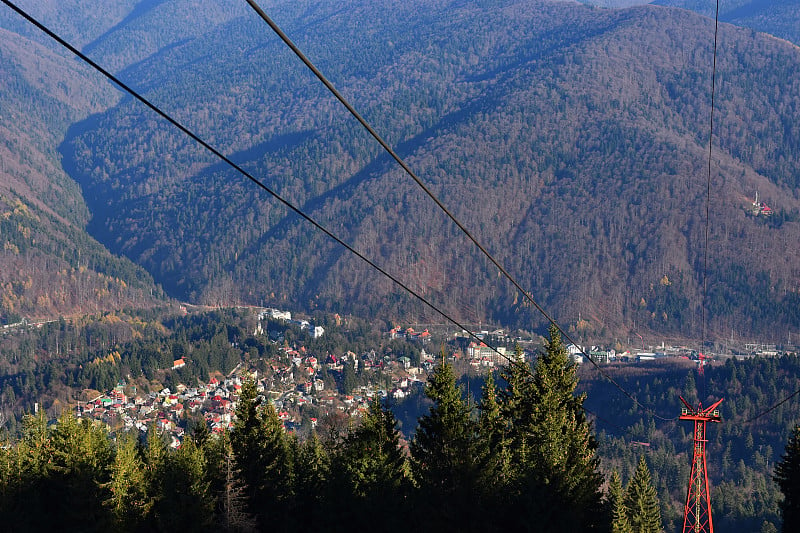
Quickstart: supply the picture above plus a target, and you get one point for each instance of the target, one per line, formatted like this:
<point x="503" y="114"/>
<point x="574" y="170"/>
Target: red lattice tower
<point x="697" y="514"/>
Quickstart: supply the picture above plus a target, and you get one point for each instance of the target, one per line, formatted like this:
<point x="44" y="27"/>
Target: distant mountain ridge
<point x="572" y="141"/>
<point x="780" y="18"/>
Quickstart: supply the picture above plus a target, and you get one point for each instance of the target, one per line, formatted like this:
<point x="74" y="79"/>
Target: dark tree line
<point x="523" y="458"/>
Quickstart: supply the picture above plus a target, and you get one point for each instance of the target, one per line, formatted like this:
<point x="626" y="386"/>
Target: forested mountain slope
<point x="777" y="17"/>
<point x="572" y="139"/>
<point x="78" y="21"/>
<point x="153" y="25"/>
<point x="49" y="265"/>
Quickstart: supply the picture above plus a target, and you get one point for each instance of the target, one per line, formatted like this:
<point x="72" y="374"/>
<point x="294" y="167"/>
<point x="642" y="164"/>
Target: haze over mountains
<point x="780" y="18"/>
<point x="572" y="140"/>
<point x="776" y="17"/>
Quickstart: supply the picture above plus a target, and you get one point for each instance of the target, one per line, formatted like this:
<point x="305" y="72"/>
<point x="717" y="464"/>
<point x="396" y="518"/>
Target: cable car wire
<point x="770" y="409"/>
<point x="708" y="191"/>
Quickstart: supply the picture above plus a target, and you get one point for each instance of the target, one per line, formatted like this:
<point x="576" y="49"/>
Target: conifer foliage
<point x="619" y="512"/>
<point x="555" y="475"/>
<point x="641" y="501"/>
<point x="446" y="457"/>
<point x="787" y="476"/>
<point x="262" y="453"/>
<point x="370" y="472"/>
<point x="128" y="501"/>
<point x="492" y="430"/>
<point x="234" y="516"/>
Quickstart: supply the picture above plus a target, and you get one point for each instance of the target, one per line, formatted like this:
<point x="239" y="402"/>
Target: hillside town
<point x="298" y="383"/>
<point x="305" y="387"/>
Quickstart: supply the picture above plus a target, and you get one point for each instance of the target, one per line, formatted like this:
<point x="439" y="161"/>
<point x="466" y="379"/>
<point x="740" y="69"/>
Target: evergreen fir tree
<point x="200" y="433"/>
<point x="517" y="406"/>
<point x="490" y="421"/>
<point x="493" y="441"/>
<point x="227" y="488"/>
<point x="185" y="497"/>
<point x="312" y="473"/>
<point x="154" y="456"/>
<point x="63" y="470"/>
<point x="555" y="474"/>
<point x="641" y="500"/>
<point x="619" y="512"/>
<point x="30" y="465"/>
<point x="36" y="450"/>
<point x="8" y="487"/>
<point x="370" y="473"/>
<point x="262" y="454"/>
<point x="235" y="518"/>
<point x="127" y="501"/>
<point x="216" y="450"/>
<point x="787" y="476"/>
<point x="79" y="472"/>
<point x="563" y="448"/>
<point x="446" y="459"/>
